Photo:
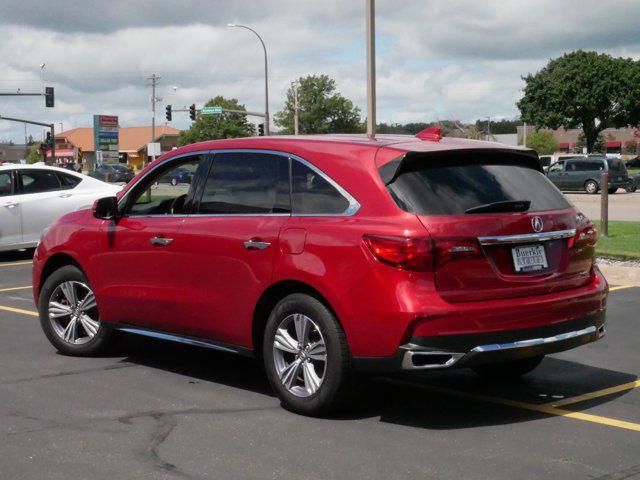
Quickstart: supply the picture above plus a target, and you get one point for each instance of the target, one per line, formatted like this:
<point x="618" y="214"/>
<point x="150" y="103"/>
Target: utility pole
<point x="295" y="107"/>
<point x="371" y="67"/>
<point x="154" y="81"/>
<point x="488" y="129"/>
<point x="524" y="136"/>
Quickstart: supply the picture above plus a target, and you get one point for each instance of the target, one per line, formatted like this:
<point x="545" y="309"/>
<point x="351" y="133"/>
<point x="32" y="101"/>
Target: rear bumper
<point x="468" y="350"/>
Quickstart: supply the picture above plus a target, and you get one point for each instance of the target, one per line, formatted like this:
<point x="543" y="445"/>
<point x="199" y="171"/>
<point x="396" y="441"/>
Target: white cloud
<point x="436" y="59"/>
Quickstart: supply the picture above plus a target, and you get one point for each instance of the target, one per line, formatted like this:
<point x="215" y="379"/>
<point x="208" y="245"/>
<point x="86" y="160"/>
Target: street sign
<point x="211" y="110"/>
<point x="154" y="149"/>
<point x="105" y="138"/>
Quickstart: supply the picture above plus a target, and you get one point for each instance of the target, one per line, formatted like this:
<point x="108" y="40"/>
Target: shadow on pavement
<point x="410" y="402"/>
<point x="17" y="256"/>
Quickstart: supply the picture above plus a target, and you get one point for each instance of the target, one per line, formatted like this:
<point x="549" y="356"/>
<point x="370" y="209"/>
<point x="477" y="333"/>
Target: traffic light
<point x="192" y="111"/>
<point x="168" y="114"/>
<point x="261" y="130"/>
<point x="48" y="140"/>
<point x="48" y="97"/>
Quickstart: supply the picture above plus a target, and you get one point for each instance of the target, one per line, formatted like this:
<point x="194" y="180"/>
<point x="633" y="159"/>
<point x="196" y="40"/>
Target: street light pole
<point x="371" y="67"/>
<point x="267" y="129"/>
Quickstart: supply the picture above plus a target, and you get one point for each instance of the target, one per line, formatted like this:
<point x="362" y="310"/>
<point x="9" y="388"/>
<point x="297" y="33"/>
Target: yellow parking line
<point x="11" y="289"/>
<point x="612" y="422"/>
<point x="599" y="393"/>
<point x="19" y="310"/>
<point x="620" y="287"/>
<point x="12" y="264"/>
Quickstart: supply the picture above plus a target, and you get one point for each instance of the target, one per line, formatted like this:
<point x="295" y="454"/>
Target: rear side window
<point x="247" y="183"/>
<point x="6" y="184"/>
<point x="453" y="187"/>
<point x="312" y="194"/>
<point x="68" y="181"/>
<point x="36" y="181"/>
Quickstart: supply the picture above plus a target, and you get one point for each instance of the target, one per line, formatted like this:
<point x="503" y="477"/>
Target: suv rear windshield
<point x="453" y="187"/>
<point x="616" y="165"/>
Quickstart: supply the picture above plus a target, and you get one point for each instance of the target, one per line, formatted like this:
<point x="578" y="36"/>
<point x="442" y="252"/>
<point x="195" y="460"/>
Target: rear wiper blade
<point x="500" y="207"/>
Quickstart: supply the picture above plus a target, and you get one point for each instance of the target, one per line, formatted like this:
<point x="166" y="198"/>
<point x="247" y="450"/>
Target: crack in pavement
<point x="621" y="474"/>
<point x="68" y="373"/>
<point x="166" y="422"/>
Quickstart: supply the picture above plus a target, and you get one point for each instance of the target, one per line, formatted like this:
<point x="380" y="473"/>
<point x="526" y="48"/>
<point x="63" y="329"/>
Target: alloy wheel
<point x="73" y="313"/>
<point x="300" y="355"/>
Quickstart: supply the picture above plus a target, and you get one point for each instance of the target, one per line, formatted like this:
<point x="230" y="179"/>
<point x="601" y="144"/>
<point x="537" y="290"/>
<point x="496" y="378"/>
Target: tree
<point x="598" y="146"/>
<point x="214" y="127"/>
<point x="321" y="109"/>
<point x="34" y="154"/>
<point x="544" y="143"/>
<point x="584" y="90"/>
<point x="30" y="140"/>
<point x="499" y="127"/>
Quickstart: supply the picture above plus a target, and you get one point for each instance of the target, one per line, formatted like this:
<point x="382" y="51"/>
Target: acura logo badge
<point x="536" y="223"/>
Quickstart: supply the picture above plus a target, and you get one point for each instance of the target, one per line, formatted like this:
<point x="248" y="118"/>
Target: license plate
<point x="529" y="258"/>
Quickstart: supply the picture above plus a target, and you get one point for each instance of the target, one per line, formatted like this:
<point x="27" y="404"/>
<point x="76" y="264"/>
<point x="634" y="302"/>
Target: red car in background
<point x="324" y="255"/>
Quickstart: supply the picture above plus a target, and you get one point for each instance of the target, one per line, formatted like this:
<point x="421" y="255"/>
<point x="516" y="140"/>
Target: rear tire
<point x="611" y="191"/>
<point x="69" y="314"/>
<point x="591" y="187"/>
<point x="303" y="381"/>
<point x="508" y="370"/>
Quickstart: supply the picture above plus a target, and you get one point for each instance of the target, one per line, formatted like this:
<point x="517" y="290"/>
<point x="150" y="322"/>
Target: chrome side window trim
<point x="525" y="238"/>
<point x="351" y="209"/>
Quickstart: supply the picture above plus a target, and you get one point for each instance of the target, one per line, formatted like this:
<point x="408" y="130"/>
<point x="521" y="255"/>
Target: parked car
<point x="633" y="184"/>
<point x="177" y="176"/>
<point x="545" y="160"/>
<point x="633" y="163"/>
<point x="323" y="254"/>
<point x="31" y="197"/>
<point x="584" y="173"/>
<point x="113" y="173"/>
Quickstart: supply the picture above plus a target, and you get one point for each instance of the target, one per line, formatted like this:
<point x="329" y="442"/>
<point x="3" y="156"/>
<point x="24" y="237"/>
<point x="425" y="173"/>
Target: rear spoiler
<point x="507" y="156"/>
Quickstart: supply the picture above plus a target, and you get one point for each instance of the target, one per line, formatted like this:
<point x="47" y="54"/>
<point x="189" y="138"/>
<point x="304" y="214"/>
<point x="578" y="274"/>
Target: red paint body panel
<point x="206" y="284"/>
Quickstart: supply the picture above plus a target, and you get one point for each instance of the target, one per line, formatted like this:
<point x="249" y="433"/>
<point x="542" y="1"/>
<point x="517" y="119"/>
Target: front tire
<point x="69" y="314"/>
<point x="306" y="356"/>
<point x="591" y="187"/>
<point x="510" y="370"/>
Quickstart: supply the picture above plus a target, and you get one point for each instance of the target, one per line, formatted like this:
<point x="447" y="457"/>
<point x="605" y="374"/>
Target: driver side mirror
<point x="106" y="208"/>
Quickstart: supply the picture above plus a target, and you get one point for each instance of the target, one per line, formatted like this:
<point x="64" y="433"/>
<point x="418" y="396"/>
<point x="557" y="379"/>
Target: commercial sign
<point x="105" y="138"/>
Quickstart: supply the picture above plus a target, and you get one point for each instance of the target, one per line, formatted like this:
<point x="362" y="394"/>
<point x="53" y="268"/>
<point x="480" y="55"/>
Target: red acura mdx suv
<point x="324" y="255"/>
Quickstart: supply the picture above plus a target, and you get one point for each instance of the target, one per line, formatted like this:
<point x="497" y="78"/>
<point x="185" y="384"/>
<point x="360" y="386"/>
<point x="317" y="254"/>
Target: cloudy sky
<point x="436" y="59"/>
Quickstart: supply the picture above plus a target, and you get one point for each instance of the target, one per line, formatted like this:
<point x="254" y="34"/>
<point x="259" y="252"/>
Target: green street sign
<point x="211" y="110"/>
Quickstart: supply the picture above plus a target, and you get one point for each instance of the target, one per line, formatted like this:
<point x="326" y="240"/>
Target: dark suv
<point x="584" y="173"/>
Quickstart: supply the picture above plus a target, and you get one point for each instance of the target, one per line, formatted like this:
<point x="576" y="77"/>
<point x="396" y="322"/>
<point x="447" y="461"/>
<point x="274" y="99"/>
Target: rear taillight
<point x="419" y="253"/>
<point x="406" y="253"/>
<point x="586" y="236"/>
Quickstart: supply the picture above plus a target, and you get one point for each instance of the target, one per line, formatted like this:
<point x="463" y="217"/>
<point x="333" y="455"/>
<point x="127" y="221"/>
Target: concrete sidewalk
<point x="619" y="272"/>
<point x="622" y="205"/>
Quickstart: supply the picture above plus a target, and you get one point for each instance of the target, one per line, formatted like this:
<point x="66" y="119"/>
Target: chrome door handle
<point x="256" y="245"/>
<point x="10" y="205"/>
<point x="160" y="241"/>
<point x="65" y="195"/>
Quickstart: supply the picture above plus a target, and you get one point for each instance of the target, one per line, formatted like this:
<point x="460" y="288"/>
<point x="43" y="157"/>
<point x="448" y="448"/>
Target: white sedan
<point x="32" y="196"/>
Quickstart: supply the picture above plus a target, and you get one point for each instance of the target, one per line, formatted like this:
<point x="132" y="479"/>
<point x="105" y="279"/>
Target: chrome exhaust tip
<point x="423" y="360"/>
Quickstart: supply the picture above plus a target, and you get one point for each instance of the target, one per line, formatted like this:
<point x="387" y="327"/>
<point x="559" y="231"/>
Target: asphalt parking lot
<point x="159" y="410"/>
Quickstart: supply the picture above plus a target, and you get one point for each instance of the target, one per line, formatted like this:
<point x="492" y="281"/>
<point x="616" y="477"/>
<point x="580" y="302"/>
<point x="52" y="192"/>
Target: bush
<point x="543" y="143"/>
